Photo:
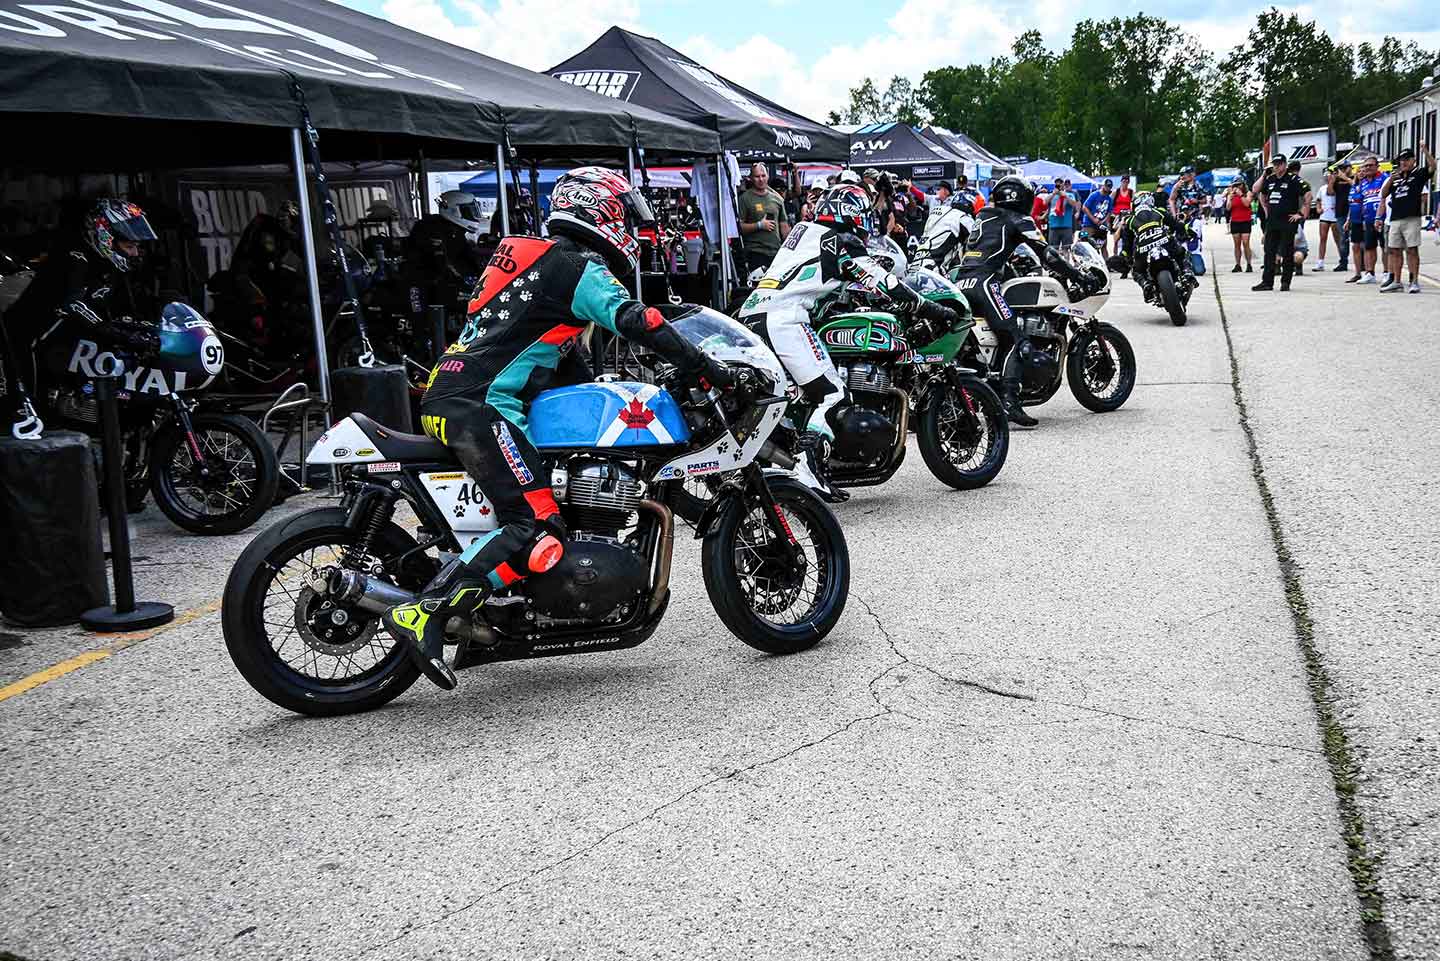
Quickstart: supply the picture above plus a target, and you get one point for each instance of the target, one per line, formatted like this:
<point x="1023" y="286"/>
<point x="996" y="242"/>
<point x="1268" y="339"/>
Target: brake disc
<point x="329" y="628"/>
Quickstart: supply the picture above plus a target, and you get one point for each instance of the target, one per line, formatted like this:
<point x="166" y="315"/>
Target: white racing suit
<point x="813" y="263"/>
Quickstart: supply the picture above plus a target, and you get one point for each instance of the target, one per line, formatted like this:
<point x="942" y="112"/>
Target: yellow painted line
<point x="117" y="644"/>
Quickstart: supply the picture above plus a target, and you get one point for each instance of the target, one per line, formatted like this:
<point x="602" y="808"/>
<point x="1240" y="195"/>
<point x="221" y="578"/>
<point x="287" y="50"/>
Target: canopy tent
<point x="897" y="147"/>
<point x="987" y="165"/>
<point x="222" y="66"/>
<point x="1047" y="172"/>
<point x="642" y="70"/>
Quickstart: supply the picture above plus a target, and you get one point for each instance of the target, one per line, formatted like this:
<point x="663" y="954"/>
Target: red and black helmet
<point x="597" y="207"/>
<point x="845" y="207"/>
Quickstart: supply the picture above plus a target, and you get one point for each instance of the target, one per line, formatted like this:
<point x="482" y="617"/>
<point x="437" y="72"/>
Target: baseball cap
<point x="872" y="173"/>
<point x="1406" y="154"/>
<point x="1108" y="183"/>
<point x="1279" y="158"/>
<point x="946" y="185"/>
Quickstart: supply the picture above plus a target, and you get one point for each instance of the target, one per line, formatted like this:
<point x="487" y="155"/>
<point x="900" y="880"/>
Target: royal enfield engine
<point x="596" y="495"/>
<point x="862" y="433"/>
<point x="595" y="576"/>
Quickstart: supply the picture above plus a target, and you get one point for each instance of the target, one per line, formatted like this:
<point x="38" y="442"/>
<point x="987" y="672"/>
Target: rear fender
<point x="344" y="443"/>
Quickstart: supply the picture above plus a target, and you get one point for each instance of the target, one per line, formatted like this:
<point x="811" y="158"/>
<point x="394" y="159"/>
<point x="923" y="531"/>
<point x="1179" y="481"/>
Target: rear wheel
<point x="1170" y="297"/>
<point x="1101" y="368"/>
<point x="291" y="642"/>
<point x="227" y="487"/>
<point x="963" y="434"/>
<point x="767" y="601"/>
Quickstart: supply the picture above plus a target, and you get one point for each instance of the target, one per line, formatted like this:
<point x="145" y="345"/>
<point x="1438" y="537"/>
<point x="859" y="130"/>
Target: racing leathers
<point x="813" y="263"/>
<point x="998" y="231"/>
<point x="1139" y="228"/>
<point x="534" y="299"/>
<point x="946" y="233"/>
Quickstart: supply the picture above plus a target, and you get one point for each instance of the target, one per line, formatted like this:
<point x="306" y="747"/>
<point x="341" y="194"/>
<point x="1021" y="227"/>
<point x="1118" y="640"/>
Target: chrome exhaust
<point x="666" y="548"/>
<point x="366" y="593"/>
<point x="774" y="455"/>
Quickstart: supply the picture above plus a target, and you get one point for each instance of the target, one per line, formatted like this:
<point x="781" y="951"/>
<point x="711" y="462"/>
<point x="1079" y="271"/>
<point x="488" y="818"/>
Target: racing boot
<point x="814" y="450"/>
<point x="420" y="625"/>
<point x="1017" y="415"/>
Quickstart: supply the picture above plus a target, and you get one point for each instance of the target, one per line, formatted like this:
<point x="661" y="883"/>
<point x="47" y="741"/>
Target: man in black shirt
<point x="1344" y="177"/>
<point x="1402" y="237"/>
<point x="1284" y="198"/>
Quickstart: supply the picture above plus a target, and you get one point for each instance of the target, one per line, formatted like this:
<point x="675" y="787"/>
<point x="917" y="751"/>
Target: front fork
<point x="183" y="410"/>
<point x="755" y="486"/>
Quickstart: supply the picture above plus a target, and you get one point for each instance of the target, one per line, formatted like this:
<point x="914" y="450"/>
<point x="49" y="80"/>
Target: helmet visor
<point x="131" y="226"/>
<point x="469" y="211"/>
<point x="636" y="209"/>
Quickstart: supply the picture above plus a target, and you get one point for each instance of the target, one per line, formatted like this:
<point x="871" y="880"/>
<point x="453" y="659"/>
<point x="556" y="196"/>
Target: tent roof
<point x="1049" y="171"/>
<point x="965" y="147"/>
<point x="210" y="62"/>
<point x="644" y="71"/>
<point x="895" y="144"/>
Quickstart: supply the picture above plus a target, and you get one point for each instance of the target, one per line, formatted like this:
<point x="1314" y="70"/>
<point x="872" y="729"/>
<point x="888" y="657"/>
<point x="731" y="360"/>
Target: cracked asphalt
<point x="1063" y="717"/>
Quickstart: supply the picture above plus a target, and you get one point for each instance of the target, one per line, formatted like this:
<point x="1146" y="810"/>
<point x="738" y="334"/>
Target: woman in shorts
<point x="1328" y="227"/>
<point x="1242" y="216"/>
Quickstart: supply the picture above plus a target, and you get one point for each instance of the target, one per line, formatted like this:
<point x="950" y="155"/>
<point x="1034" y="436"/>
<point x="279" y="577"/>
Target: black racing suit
<point x="73" y="295"/>
<point x="998" y="231"/>
<point x="533" y="300"/>
<point x="1138" y="229"/>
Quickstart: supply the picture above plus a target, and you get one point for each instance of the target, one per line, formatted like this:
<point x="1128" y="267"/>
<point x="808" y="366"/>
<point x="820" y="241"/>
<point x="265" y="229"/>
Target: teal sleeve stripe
<point x="471" y="552"/>
<point x="599" y="297"/>
<point x="505" y="389"/>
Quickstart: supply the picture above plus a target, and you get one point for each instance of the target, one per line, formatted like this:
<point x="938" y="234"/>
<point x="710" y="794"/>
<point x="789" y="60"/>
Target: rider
<point x="84" y="287"/>
<point x="816" y="259"/>
<point x="1151" y="215"/>
<point x="535" y="298"/>
<point x="1001" y="226"/>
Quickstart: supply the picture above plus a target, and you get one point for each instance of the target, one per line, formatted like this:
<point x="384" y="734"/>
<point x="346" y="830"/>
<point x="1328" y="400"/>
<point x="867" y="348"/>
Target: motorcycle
<point x="302" y="603"/>
<point x="211" y="472"/>
<point x="1164" y="283"/>
<point x="944" y="240"/>
<point x="1068" y="343"/>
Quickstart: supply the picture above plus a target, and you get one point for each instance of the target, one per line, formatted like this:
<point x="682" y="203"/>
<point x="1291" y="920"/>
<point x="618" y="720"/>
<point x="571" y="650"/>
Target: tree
<point x="865" y="106"/>
<point x="901" y="102"/>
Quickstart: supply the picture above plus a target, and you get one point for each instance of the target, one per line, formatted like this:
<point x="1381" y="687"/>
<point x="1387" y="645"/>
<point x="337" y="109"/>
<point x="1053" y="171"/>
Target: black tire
<point x="248" y="474"/>
<point x="1101" y="368"/>
<point x="247" y="628"/>
<point x="827" y="555"/>
<point x="964" y="444"/>
<point x="1170" y="297"/>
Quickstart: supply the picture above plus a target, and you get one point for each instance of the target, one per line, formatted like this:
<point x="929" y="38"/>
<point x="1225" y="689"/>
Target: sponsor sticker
<point x="384" y="467"/>
<point x="340" y="452"/>
<point x="705" y="467"/>
<point x="365" y="452"/>
<point x="458" y="475"/>
<point x="511" y="453"/>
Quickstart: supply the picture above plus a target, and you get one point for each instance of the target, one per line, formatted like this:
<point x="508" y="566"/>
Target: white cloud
<point x="530" y="33"/>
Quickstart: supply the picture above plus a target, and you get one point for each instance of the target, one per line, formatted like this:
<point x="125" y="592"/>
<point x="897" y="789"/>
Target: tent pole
<point x="312" y="269"/>
<point x="424" y="171"/>
<point x="630" y="175"/>
<point x="500" y="189"/>
<point x="724" y="242"/>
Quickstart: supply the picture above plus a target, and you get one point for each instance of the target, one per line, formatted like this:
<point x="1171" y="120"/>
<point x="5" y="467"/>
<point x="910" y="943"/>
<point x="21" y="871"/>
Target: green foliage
<point x="1139" y="94"/>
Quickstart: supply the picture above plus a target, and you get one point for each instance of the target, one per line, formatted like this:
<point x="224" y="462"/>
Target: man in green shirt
<point x="763" y="223"/>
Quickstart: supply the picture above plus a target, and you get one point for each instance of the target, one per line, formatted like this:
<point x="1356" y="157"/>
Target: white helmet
<point x="463" y="210"/>
<point x="848" y="176"/>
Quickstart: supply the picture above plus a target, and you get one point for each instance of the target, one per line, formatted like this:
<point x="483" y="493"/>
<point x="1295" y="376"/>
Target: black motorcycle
<point x="211" y="472"/>
<point x="1164" y="282"/>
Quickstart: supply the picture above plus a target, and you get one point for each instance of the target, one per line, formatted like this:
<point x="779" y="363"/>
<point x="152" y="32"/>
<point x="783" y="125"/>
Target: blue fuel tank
<point x="606" y="415"/>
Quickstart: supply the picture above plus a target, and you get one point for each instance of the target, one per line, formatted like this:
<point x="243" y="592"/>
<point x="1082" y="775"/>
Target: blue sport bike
<point x="302" y="604"/>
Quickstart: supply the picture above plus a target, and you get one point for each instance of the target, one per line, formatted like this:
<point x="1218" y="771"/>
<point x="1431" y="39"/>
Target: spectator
<point x="1355" y="228"/>
<point x="1302" y="249"/>
<point x="1342" y="182"/>
<point x="1220" y="206"/>
<point x="885" y="225"/>
<point x="1124" y="201"/>
<point x="1241" y="220"/>
<point x="1371" y="185"/>
<point x="942" y="194"/>
<point x="1098" y="207"/>
<point x="1402" y="238"/>
<point x="1329" y="204"/>
<point x="1037" y="209"/>
<point x="1061" y="215"/>
<point x="763" y="222"/>
<point x="1285" y="198"/>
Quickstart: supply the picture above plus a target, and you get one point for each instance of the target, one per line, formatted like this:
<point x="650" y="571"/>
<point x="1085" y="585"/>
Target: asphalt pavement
<point x="1065" y="716"/>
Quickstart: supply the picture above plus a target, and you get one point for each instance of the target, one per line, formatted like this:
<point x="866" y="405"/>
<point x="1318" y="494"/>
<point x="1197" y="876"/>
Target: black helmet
<point x="1012" y="193"/>
<point x="113" y="223"/>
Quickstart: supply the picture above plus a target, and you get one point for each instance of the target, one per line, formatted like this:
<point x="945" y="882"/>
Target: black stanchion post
<point x="438" y="341"/>
<point x="125" y="614"/>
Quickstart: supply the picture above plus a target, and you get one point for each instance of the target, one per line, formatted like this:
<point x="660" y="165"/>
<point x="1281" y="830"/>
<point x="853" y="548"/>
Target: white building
<point x="1408" y="122"/>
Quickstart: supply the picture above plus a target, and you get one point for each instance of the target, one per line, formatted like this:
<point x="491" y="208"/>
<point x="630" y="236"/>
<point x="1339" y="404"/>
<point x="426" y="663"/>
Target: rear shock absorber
<point x="372" y="512"/>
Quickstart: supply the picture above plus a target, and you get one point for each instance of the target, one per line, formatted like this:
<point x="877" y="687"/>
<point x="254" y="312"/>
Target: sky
<point x="807" y="54"/>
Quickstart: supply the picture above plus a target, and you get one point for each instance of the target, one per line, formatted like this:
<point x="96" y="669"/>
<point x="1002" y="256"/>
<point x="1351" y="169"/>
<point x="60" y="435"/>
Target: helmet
<point x="462" y="210"/>
<point x="845" y="207"/>
<point x="112" y="222"/>
<point x="1144" y="201"/>
<point x="1012" y="193"/>
<point x="595" y="206"/>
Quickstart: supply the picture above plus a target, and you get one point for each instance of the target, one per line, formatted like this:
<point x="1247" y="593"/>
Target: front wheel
<point x="1100" y="368"/>
<point x="1170" y="297"/>
<point x="227" y="487"/>
<point x="963" y="434"/>
<point x="770" y="602"/>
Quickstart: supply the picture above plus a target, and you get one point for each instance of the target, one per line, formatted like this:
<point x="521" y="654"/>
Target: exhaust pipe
<point x="366" y="593"/>
<point x="780" y="458"/>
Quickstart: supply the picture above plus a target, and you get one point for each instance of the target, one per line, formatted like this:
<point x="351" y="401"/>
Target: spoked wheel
<point x="770" y="602"/>
<point x="227" y="487"/>
<point x="291" y="641"/>
<point x="963" y="434"/>
<point x="1101" y="368"/>
<point x="691" y="495"/>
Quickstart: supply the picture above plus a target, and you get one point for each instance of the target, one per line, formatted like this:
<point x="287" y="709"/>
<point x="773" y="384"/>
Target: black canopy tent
<point x="899" y="148"/>
<point x="969" y="150"/>
<point x="134" y="84"/>
<point x="644" y="71"/>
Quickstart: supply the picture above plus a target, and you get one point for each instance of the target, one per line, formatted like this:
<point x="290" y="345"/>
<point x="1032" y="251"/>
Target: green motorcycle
<point x="958" y="419"/>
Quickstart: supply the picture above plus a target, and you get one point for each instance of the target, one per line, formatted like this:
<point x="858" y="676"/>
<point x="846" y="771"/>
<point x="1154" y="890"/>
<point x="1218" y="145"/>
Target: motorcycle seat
<point x="397" y="445"/>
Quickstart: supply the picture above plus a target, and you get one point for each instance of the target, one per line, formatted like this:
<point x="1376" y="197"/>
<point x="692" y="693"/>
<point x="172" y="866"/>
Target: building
<point x="1408" y="122"/>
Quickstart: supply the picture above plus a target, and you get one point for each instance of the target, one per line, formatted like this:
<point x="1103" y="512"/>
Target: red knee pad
<point x="545" y="554"/>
